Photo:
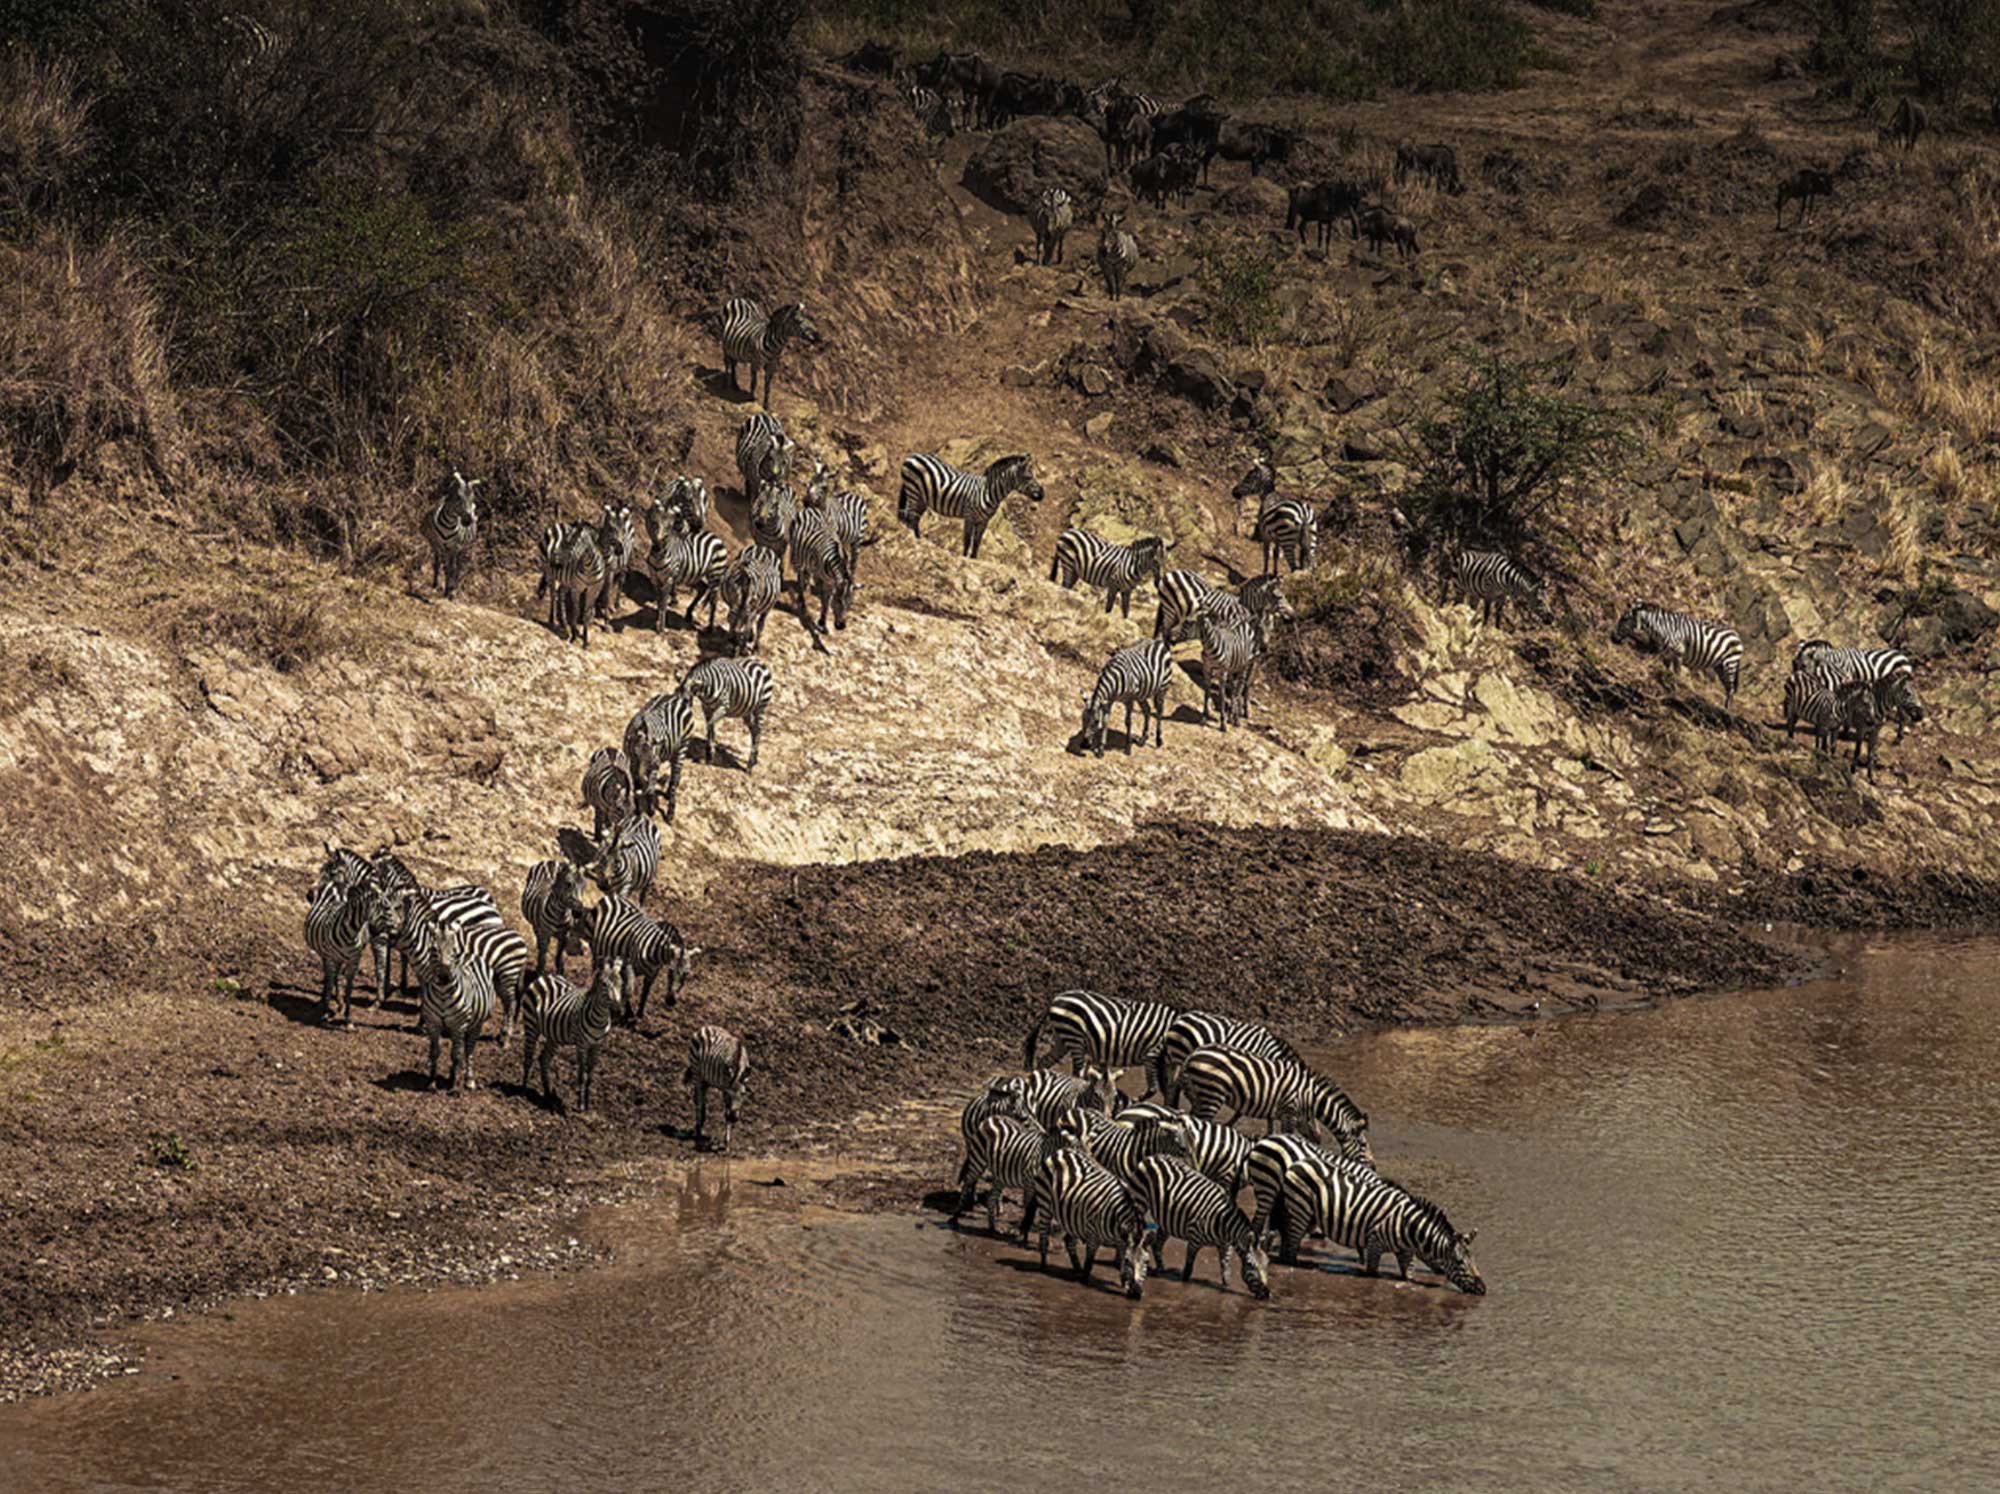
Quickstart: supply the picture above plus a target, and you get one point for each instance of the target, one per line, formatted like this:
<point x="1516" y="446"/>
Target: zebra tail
<point x="1034" y="1037"/>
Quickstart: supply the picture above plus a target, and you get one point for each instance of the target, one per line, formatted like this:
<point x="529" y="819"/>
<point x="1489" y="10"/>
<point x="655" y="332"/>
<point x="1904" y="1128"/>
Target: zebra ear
<point x="1468" y="1237"/>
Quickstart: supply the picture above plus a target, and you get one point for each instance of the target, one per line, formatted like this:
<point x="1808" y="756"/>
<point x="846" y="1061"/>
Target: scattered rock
<point x="1017" y="376"/>
<point x="1745" y="427"/>
<point x="1016" y="163"/>
<point x="1093" y="381"/>
<point x="1166" y="453"/>
<point x="1871" y="438"/>
<point x="1098" y="426"/>
<point x="1350" y="390"/>
<point x="1775" y="471"/>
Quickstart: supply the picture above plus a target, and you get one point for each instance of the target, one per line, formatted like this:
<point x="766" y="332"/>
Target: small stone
<point x="1017" y="376"/>
<point x="1166" y="453"/>
<point x="1098" y="425"/>
<point x="1093" y="381"/>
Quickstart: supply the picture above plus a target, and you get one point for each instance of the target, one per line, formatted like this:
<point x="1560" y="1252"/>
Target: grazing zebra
<point x="772" y="517"/>
<point x="1002" y="1095"/>
<point x="338" y="924"/>
<point x="1117" y="253"/>
<point x="1214" y="1077"/>
<point x="450" y="526"/>
<point x="932" y="485"/>
<point x="616" y="540"/>
<point x="1103" y="1030"/>
<point x="659" y="734"/>
<point x="552" y="902"/>
<point x="1010" y="1150"/>
<point x="1052" y="215"/>
<point x="1215" y="1150"/>
<point x="750" y="588"/>
<point x="607" y="789"/>
<point x="717" y="1059"/>
<point x="1096" y="561"/>
<point x="549" y="552"/>
<point x="686" y="505"/>
<point x="1490" y="579"/>
<point x="1834" y="708"/>
<point x="1265" y="1166"/>
<point x="1685" y="640"/>
<point x="559" y="1014"/>
<point x="748" y="336"/>
<point x="1374" y="1216"/>
<point x="1192" y="1030"/>
<point x="458" y="992"/>
<point x="643" y="946"/>
<point x="1228" y="654"/>
<point x="726" y="688"/>
<point x="846" y="513"/>
<point x="1093" y="1209"/>
<point x="1888" y="671"/>
<point x="1289" y="531"/>
<point x="626" y="865"/>
<point x="1137" y="673"/>
<point x="678" y="559"/>
<point x="1189" y="1205"/>
<point x="764" y="453"/>
<point x="1185" y="596"/>
<point x="820" y="564"/>
<point x="578" y="579"/>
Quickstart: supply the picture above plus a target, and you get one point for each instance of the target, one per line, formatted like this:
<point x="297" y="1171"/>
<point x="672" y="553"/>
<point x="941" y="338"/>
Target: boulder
<point x="1161" y="352"/>
<point x="1352" y="389"/>
<point x="1257" y="198"/>
<point x="1014" y="166"/>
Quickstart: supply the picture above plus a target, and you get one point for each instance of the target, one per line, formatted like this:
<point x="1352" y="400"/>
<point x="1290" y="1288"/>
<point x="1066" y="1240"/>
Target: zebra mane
<point x="1428" y="1216"/>
<point x="1010" y="467"/>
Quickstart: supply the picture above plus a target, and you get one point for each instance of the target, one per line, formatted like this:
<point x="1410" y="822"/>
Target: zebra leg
<point x="708" y="719"/>
<point x="645" y="995"/>
<point x="700" y="1112"/>
<point x="728" y="1117"/>
<point x="433" y="1034"/>
<point x="1403" y="1263"/>
<point x="527" y="1056"/>
<point x="1128" y="725"/>
<point x="1029" y="1205"/>
<point x="1187" y="1266"/>
<point x="586" y="1066"/>
<point x="993" y="1201"/>
<point x="1294" y="1236"/>
<point x="1045" y="1242"/>
<point x="1159" y="719"/>
<point x="756" y="736"/>
<point x="968" y="1188"/>
<point x="673" y="792"/>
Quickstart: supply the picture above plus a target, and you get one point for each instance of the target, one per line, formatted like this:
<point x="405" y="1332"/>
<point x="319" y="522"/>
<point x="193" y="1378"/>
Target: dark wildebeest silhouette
<point x="1805" y="187"/>
<point x="1243" y="140"/>
<point x="1379" y="226"/>
<point x="1436" y="164"/>
<point x="1197" y="125"/>
<point x="1323" y="203"/>
<point x="1909" y="121"/>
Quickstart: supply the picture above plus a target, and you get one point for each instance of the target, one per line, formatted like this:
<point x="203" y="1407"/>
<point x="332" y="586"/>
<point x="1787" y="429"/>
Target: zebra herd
<point x="1130" y="1176"/>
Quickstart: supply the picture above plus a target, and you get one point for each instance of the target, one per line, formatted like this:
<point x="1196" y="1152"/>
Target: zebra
<point x="471" y="913"/>
<point x="392" y="879"/>
<point x="1682" y="639"/>
<point x="1051" y="216"/>
<point x="549" y="552"/>
<point x="1104" y="1030"/>
<point x="772" y="517"/>
<point x="1117" y="253"/>
<point x="1374" y="1216"/>
<point x="933" y="485"/>
<point x="338" y="924"/>
<point x="1010" y="1150"/>
<point x="1002" y="1095"/>
<point x="820" y="564"/>
<point x="607" y="789"/>
<point x="450" y="526"/>
<point x="552" y="902"/>
<point x="1834" y="708"/>
<point x="686" y="505"/>
<point x="340" y="867"/>
<point x="1044" y="1097"/>
<point x="1193" y="1029"/>
<point x="616" y="540"/>
<point x="718" y="1060"/>
<point x="643" y="947"/>
<point x="1266" y="1164"/>
<point x="1491" y="579"/>
<point x="1188" y="1205"/>
<point x="1096" y="561"/>
<point x="748" y="336"/>
<point x="1289" y="531"/>
<point x="846" y="513"/>
<point x="728" y="688"/>
<point x="1229" y="652"/>
<point x="676" y="559"/>
<point x="1185" y="596"/>
<point x="578" y="580"/>
<point x="933" y="114"/>
<point x="1137" y="673"/>
<point x="458" y="989"/>
<point x="1887" y="671"/>
<point x="560" y="1014"/>
<point x="1121" y="1145"/>
<point x="750" y="588"/>
<point x="1214" y="1077"/>
<point x="625" y="867"/>
<point x="659" y="734"/>
<point x="1093" y="1209"/>
<point x="763" y="453"/>
<point x="1215" y="1150"/>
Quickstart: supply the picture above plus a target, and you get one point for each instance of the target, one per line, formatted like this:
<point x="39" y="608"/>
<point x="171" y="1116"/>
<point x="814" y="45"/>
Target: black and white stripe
<point x="1185" y="596"/>
<point x="1137" y="674"/>
<point x="657" y="737"/>
<point x="1121" y="1144"/>
<point x="1289" y="531"/>
<point x="748" y="336"/>
<point x="1375" y="1216"/>
<point x="1491" y="579"/>
<point x="731" y="688"/>
<point x="685" y="504"/>
<point x="1008" y="1151"/>
<point x="458" y="990"/>
<point x="931" y="485"/>
<point x="560" y="1014"/>
<point x="1186" y="1204"/>
<point x="337" y="930"/>
<point x="392" y="879"/>
<point x="552" y="903"/>
<point x="1093" y="1209"/>
<point x="1192" y="1030"/>
<point x="1052" y="216"/>
<point x="1887" y="671"/>
<point x="630" y="856"/>
<point x="1213" y="1149"/>
<point x="1213" y="1078"/>
<point x="1117" y="254"/>
<point x="548" y="552"/>
<point x="717" y="1060"/>
<point x="616" y="540"/>
<point x="750" y="588"/>
<point x="1109" y="1031"/>
<point x="1835" y="708"/>
<point x="1268" y="1162"/>
<point x="679" y="559"/>
<point x="846" y="515"/>
<point x="1229" y="650"/>
<point x="644" y="947"/>
<point x="577" y="578"/>
<point x="773" y="515"/>
<point x="1684" y="640"/>
<point x="1096" y="561"/>
<point x="819" y="564"/>
<point x="607" y="790"/>
<point x="764" y="453"/>
<point x="1002" y="1095"/>
<point x="450" y="526"/>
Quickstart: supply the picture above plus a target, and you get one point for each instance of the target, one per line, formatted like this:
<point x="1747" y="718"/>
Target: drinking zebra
<point x="1188" y="1205"/>
<point x="1375" y="1216"/>
<point x="1229" y="651"/>
<point x="1192" y="1030"/>
<point x="1096" y="561"/>
<point x="1093" y="1209"/>
<point x="458" y="994"/>
<point x="731" y="688"/>
<point x="560" y="1014"/>
<point x="846" y="514"/>
<point x="1085" y="1027"/>
<point x="659" y="734"/>
<point x="1289" y="531"/>
<point x="678" y="559"/>
<point x="1250" y="1086"/>
<point x="1888" y="671"/>
<point x="607" y="789"/>
<point x="820" y="565"/>
<point x="577" y="579"/>
<point x="1490" y="579"/>
<point x="1684" y="640"/>
<point x="616" y="540"/>
<point x="337" y="930"/>
<point x="626" y="865"/>
<point x="1138" y="673"/>
<point x="750" y="587"/>
<point x="1268" y="1162"/>
<point x="717" y="1060"/>
<point x="1834" y="708"/>
<point x="932" y="485"/>
<point x="450" y="526"/>
<point x="1117" y="254"/>
<point x="1215" y="1150"/>
<point x="552" y="902"/>
<point x="763" y="453"/>
<point x="748" y="336"/>
<point x="644" y="947"/>
<point x="1051" y="216"/>
<point x="1185" y="596"/>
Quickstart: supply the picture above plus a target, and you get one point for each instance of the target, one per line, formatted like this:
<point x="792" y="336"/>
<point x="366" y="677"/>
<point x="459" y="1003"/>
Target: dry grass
<point x="1827" y="494"/>
<point x="1904" y="558"/>
<point x="44" y="129"/>
<point x="1968" y="404"/>
<point x="286" y="633"/>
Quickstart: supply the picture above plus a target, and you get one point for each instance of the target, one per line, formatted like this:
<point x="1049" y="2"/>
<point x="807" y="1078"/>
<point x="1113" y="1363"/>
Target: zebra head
<point x="680" y="965"/>
<point x="1015" y="474"/>
<point x="1096" y="715"/>
<point x="461" y="489"/>
<point x="607" y="984"/>
<point x="1132" y="1258"/>
<point x="1445" y="1250"/>
<point x="1162" y="1138"/>
<point x="1257" y="1269"/>
<point x="1631" y="627"/>
<point x="1265" y="594"/>
<point x="791" y="321"/>
<point x="1898" y="701"/>
<point x="1149" y="556"/>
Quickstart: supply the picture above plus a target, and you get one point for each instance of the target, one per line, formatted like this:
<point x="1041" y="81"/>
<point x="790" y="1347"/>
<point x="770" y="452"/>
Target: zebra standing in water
<point x="717" y="1060"/>
<point x="1684" y="640"/>
<point x="1188" y="1205"/>
<point x="819" y="564"/>
<point x="935" y="486"/>
<point x="764" y="453"/>
<point x="607" y="789"/>
<point x="1096" y="561"/>
<point x="450" y="526"/>
<point x="616" y="540"/>
<point x="458" y="995"/>
<point x="552" y="902"/>
<point x="1192" y="1030"/>
<point x="1490" y="579"/>
<point x="630" y="857"/>
<point x="578" y="579"/>
<point x="750" y="588"/>
<point x="1374" y="1216"/>
<point x="659" y="734"/>
<point x="748" y="336"/>
<point x="1117" y="253"/>
<point x="1085" y="1027"/>
<point x="726" y="688"/>
<point x="678" y="559"/>
<point x="559" y="1014"/>
<point x="1887" y="671"/>
<point x="1214" y="1077"/>
<point x="1137" y="673"/>
<point x="1010" y="1150"/>
<point x="1002" y="1095"/>
<point x="1051" y="216"/>
<point x="1289" y="531"/>
<point x="644" y="947"/>
<point x="337" y="930"/>
<point x="1093" y="1209"/>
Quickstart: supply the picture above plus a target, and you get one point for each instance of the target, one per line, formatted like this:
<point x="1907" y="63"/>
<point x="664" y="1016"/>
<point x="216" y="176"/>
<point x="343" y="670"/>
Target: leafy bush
<point x="1240" y="285"/>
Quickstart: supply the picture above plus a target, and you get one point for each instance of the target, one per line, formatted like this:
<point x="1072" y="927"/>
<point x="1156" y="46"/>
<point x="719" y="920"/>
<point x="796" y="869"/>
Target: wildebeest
<point x="1909" y="121"/>
<point x="1017" y="95"/>
<point x="1243" y="140"/>
<point x="1164" y="172"/>
<point x="1379" y="226"/>
<point x="1805" y="186"/>
<point x="1196" y="126"/>
<point x="1322" y="203"/>
<point x="876" y="57"/>
<point x="1436" y="164"/>
<point x="966" y="76"/>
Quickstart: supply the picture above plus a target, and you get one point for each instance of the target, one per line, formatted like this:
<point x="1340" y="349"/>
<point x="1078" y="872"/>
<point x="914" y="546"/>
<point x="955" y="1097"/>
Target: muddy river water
<point x="1743" y="1242"/>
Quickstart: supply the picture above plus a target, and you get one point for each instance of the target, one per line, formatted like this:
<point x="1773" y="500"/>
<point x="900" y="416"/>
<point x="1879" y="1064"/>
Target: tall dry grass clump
<point x="44" y="130"/>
